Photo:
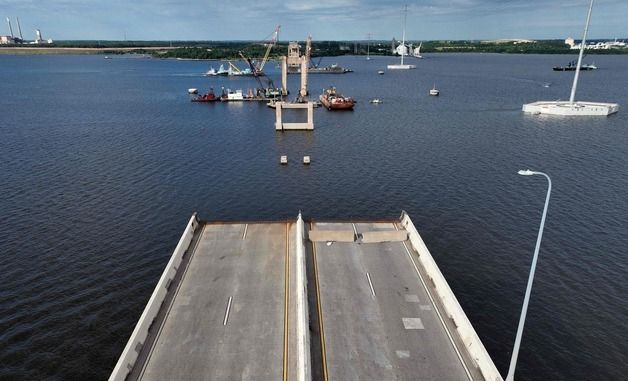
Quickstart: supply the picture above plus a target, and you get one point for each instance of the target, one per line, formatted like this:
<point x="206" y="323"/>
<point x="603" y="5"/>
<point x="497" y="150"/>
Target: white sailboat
<point x="403" y="66"/>
<point x="368" y="48"/>
<point x="573" y="107"/>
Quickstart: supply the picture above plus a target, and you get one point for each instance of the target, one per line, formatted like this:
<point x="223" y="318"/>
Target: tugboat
<point x="334" y="101"/>
<point x="205" y="98"/>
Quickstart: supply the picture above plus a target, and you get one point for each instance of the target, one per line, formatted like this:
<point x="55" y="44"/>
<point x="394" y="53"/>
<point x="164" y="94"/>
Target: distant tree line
<point x="231" y="49"/>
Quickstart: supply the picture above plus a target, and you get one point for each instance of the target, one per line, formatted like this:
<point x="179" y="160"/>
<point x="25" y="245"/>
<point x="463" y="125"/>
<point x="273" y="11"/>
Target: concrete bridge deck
<point x="229" y="308"/>
<point x="379" y="322"/>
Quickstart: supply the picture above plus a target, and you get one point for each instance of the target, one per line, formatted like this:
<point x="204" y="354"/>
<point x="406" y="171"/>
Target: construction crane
<point x="234" y="70"/>
<point x="269" y="89"/>
<point x="271" y="44"/>
<point x="308" y="48"/>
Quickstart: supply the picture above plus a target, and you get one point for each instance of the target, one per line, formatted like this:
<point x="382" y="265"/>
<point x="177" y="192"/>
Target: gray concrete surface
<point x="193" y="343"/>
<point x="378" y="320"/>
<point x="322" y="235"/>
<point x="394" y="334"/>
<point x="377" y="236"/>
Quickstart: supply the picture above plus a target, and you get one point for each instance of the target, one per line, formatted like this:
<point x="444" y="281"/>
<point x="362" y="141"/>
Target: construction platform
<point x="303" y="301"/>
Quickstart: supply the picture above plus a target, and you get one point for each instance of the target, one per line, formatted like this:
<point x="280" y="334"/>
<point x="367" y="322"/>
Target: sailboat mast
<point x="403" y="35"/>
<point x="582" y="44"/>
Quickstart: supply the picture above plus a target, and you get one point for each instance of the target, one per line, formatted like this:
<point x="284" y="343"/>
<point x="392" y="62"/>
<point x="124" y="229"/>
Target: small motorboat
<point x="376" y="101"/>
<point x="193" y="91"/>
<point x="434" y="92"/>
<point x="380" y="72"/>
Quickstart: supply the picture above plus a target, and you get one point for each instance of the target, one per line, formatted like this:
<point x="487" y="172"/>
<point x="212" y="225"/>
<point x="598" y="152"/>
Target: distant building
<point x="294" y="55"/>
<point x="514" y="41"/>
<point x="12" y="39"/>
<point x="596" y="45"/>
<point x="570" y="41"/>
<point x="39" y="39"/>
<point x="9" y="40"/>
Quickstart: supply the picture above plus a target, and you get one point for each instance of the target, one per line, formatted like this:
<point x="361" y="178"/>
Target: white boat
<point x="434" y="92"/>
<point x="566" y="108"/>
<point x="573" y="107"/>
<point x="376" y="101"/>
<point x="231" y="95"/>
<point x="192" y="90"/>
<point x="416" y="52"/>
<point x="221" y="71"/>
<point x="402" y="66"/>
<point x="380" y="72"/>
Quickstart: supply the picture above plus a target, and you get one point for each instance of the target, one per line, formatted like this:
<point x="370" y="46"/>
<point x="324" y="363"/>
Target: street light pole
<point x="526" y="299"/>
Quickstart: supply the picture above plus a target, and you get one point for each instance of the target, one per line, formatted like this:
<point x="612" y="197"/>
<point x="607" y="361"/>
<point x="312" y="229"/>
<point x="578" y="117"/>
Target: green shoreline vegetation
<point x="207" y="50"/>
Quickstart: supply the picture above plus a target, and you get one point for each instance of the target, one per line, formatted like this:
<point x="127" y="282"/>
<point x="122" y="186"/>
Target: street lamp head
<point x="525" y="172"/>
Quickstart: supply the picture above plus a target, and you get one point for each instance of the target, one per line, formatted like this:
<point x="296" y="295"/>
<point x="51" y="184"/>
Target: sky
<point x="323" y="19"/>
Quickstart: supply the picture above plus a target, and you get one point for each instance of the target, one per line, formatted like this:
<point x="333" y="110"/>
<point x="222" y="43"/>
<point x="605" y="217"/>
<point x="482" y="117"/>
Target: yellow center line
<point x="286" y="305"/>
<point x="320" y="312"/>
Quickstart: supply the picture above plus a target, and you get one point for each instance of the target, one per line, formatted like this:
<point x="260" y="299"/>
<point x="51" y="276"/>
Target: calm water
<point x="102" y="163"/>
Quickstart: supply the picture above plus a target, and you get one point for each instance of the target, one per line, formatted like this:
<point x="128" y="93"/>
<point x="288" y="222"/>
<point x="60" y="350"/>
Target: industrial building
<point x="12" y="39"/>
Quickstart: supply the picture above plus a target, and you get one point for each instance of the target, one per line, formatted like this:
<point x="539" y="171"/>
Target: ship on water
<point x="573" y="65"/>
<point x="213" y="72"/>
<point x="210" y="96"/>
<point x="573" y="107"/>
<point x="331" y="69"/>
<point x="332" y="100"/>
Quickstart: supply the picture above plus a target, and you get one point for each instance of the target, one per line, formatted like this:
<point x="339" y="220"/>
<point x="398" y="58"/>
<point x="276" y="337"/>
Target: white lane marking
<point x="370" y="283"/>
<point x="429" y="294"/>
<point x="425" y="307"/>
<point x="246" y="226"/>
<point x="224" y="322"/>
<point x="412" y="323"/>
<point x="403" y="354"/>
<point x="355" y="231"/>
<point x="411" y="298"/>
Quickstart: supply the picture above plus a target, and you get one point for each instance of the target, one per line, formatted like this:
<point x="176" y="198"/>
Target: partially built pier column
<point x="304" y="64"/>
<point x="284" y="75"/>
